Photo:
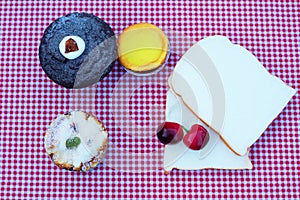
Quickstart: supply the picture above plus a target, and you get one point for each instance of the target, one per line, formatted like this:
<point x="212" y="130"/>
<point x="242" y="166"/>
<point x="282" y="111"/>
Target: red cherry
<point x="196" y="138"/>
<point x="169" y="133"/>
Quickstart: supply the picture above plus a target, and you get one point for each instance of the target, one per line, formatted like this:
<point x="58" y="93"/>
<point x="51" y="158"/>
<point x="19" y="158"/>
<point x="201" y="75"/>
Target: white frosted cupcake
<point x="76" y="141"/>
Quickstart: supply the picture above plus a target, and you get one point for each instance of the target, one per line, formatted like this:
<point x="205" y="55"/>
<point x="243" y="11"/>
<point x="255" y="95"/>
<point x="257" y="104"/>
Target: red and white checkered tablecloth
<point x="132" y="170"/>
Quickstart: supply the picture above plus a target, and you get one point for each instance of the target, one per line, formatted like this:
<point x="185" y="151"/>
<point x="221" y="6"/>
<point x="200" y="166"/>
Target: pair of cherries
<point x="172" y="133"/>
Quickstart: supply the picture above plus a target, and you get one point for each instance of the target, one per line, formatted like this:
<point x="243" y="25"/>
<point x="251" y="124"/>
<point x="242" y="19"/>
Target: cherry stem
<point x="185" y="129"/>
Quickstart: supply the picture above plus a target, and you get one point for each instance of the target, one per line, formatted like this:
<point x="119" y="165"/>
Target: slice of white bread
<point x="229" y="90"/>
<point x="180" y="157"/>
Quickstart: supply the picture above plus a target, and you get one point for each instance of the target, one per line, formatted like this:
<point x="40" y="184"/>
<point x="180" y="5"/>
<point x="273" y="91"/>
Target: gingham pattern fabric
<point x="30" y="101"/>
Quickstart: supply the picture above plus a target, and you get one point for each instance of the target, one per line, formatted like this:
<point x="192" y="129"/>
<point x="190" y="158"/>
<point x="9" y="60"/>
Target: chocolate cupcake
<point x="78" y="50"/>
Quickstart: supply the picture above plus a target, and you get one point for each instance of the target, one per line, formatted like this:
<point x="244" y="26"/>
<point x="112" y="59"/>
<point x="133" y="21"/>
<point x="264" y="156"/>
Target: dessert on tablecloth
<point x="78" y="50"/>
<point x="143" y="49"/>
<point x="220" y="98"/>
<point x="76" y="141"/>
